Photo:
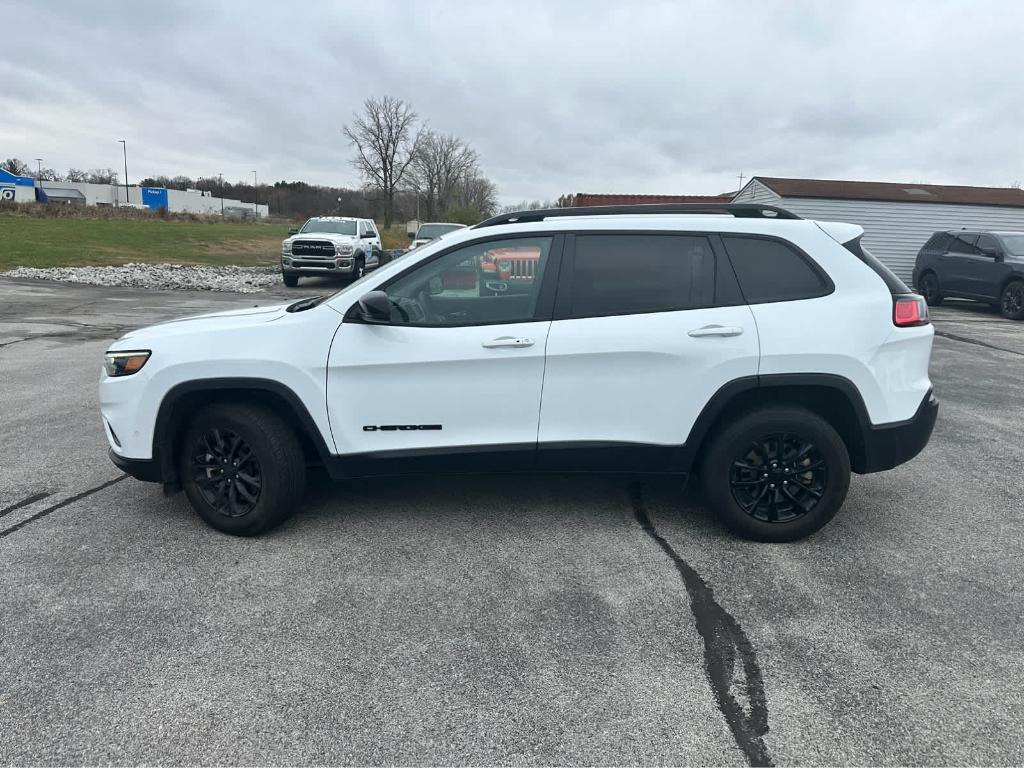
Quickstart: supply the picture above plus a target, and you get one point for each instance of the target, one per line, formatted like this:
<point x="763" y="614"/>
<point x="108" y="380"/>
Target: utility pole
<point x="221" y="177"/>
<point x="255" y="197"/>
<point x="39" y="168"/>
<point x="124" y="146"/>
<point x="740" y="177"/>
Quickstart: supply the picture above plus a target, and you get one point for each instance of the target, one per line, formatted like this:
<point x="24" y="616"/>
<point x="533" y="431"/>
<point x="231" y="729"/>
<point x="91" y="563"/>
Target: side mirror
<point x="375" y="307"/>
<point x="292" y="231"/>
<point x="412" y="235"/>
<point x="991" y="252"/>
<point x="367" y="235"/>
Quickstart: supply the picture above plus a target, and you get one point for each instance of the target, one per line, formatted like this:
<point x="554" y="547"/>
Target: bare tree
<point x="442" y="164"/>
<point x="47" y="174"/>
<point x="386" y="140"/>
<point x="101" y="176"/>
<point x="15" y="166"/>
<point x="74" y="174"/>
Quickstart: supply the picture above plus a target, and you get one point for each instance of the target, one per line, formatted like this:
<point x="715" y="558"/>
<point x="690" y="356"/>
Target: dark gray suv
<point x="973" y="264"/>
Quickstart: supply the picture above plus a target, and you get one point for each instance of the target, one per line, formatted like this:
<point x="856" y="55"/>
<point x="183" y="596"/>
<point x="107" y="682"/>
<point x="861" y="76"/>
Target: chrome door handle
<point x="716" y="330"/>
<point x="508" y="341"/>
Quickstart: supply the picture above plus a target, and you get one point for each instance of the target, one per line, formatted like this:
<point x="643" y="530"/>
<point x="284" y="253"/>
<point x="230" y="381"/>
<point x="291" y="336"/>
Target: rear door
<point x="957" y="264"/>
<point x="648" y="326"/>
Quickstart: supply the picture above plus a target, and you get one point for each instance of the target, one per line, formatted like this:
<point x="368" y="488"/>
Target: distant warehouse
<point x="25" y="189"/>
<point x="897" y="218"/>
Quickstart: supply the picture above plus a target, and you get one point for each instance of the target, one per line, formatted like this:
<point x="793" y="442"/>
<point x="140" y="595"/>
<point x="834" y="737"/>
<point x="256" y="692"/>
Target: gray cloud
<point x="556" y="97"/>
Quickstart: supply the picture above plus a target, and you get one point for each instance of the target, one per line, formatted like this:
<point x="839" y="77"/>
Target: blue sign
<point x="20" y="181"/>
<point x="154" y="197"/>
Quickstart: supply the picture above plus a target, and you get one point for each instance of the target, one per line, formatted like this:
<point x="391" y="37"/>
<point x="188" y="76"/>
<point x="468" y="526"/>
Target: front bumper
<point x="889" y="445"/>
<point x="141" y="469"/>
<point x="343" y="265"/>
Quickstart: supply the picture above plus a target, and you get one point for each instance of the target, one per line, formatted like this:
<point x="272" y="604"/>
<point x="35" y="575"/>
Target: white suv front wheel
<point x="241" y="467"/>
<point x="776" y="473"/>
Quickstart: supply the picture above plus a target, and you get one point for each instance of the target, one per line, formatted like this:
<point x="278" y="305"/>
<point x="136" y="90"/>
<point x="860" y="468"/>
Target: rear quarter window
<point x="938" y="242"/>
<point x="771" y="270"/>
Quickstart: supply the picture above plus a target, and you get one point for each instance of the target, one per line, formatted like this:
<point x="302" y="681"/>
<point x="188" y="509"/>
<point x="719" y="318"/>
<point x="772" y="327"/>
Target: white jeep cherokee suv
<point x="330" y="245"/>
<point x="768" y="354"/>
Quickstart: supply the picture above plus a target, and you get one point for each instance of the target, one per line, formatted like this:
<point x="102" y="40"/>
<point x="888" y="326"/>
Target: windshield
<point x="1014" y="244"/>
<point x="431" y="231"/>
<point x="334" y="227"/>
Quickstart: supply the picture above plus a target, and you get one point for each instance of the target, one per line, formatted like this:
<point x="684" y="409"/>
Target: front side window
<point x="770" y="270"/>
<point x="331" y="227"/>
<point x="633" y="274"/>
<point x="987" y="243"/>
<point x="497" y="281"/>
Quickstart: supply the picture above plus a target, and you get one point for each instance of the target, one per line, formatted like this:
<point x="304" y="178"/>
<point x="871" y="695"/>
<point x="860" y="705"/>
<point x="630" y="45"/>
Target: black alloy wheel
<point x="1012" y="300"/>
<point x="226" y="472"/>
<point x="778" y="478"/>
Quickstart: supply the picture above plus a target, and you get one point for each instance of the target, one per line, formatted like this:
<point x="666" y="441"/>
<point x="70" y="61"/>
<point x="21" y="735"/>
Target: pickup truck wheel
<point x="1012" y="300"/>
<point x="290" y="280"/>
<point x="241" y="467"/>
<point x="775" y="474"/>
<point x="929" y="285"/>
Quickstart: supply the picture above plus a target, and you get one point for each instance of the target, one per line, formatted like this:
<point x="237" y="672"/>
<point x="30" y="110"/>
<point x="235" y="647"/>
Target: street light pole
<point x="221" y="176"/>
<point x="39" y="168"/>
<point x="124" y="146"/>
<point x="255" y="197"/>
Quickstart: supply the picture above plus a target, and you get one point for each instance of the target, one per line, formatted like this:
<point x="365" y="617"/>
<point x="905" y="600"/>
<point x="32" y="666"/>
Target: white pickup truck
<point x="330" y="245"/>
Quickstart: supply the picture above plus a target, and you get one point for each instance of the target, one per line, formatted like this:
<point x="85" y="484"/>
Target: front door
<point x="458" y="369"/>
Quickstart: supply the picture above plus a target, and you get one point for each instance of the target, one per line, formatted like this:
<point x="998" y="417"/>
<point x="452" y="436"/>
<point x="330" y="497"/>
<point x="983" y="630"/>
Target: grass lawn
<point x="61" y="242"/>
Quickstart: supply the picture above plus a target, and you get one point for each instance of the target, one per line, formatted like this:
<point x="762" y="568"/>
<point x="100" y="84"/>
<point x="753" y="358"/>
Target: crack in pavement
<point x="55" y="507"/>
<point x="23" y="503"/>
<point x="724" y="641"/>
<point x="985" y="344"/>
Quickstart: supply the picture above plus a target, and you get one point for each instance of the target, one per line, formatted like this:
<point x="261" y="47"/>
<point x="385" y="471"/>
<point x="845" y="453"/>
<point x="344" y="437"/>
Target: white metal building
<point x="897" y="218"/>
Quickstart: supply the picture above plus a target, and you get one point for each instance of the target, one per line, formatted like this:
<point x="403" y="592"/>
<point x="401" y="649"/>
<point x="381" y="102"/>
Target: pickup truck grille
<point x="317" y="248"/>
<point x="522" y="269"/>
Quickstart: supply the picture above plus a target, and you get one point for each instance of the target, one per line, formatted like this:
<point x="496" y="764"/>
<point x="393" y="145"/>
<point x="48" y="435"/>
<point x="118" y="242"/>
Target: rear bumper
<point x="889" y="445"/>
<point x="141" y="469"/>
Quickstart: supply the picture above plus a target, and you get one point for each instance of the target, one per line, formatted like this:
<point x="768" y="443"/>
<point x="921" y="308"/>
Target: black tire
<point x="786" y="492"/>
<point x="276" y="462"/>
<point x="290" y="280"/>
<point x="928" y="284"/>
<point x="1011" y="301"/>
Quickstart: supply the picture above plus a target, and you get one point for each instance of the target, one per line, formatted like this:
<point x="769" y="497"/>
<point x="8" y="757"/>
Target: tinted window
<point x="987" y="242"/>
<point x="963" y="243"/>
<point x="769" y="270"/>
<point x="938" y="242"/>
<point x="497" y="281"/>
<point x="625" y="274"/>
<point x="1014" y="244"/>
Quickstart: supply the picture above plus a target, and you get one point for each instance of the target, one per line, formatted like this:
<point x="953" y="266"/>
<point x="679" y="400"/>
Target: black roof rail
<point x="739" y="210"/>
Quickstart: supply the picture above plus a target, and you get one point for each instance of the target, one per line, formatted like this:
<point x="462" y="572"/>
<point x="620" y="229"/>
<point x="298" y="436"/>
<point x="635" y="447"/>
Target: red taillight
<point x="909" y="311"/>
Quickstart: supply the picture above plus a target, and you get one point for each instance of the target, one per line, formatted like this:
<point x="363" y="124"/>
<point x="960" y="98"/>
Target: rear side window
<point x="632" y="274"/>
<point x="770" y="270"/>
<point x="964" y="244"/>
<point x="938" y="242"/>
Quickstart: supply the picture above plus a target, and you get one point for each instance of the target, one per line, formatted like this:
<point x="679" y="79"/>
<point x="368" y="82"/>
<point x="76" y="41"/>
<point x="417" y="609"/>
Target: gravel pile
<point x="160" y="276"/>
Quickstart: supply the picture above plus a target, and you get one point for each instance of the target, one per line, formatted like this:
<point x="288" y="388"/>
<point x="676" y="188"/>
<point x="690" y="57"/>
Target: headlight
<point x="124" y="363"/>
<point x="344" y="249"/>
<point x="286" y="247"/>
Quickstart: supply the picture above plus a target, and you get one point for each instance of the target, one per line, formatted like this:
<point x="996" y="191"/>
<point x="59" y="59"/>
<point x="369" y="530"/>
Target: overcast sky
<point x="557" y="97"/>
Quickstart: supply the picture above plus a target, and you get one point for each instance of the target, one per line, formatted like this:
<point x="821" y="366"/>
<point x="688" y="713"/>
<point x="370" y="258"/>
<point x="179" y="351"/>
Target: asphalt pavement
<point x="482" y="620"/>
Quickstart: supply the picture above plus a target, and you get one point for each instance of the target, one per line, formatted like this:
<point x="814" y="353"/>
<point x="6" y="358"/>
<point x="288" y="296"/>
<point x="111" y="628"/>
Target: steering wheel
<point x="425" y="304"/>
